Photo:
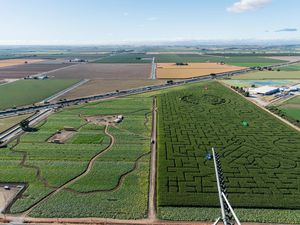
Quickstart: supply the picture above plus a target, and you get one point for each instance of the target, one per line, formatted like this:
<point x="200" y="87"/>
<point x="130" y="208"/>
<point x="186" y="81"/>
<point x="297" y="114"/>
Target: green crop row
<point x="256" y="159"/>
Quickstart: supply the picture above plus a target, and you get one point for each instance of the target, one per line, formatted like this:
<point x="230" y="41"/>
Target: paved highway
<point x="13" y="132"/>
<point x="61" y="104"/>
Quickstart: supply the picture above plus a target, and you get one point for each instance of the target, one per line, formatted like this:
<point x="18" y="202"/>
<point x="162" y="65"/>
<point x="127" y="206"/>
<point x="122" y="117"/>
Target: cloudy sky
<point x="122" y="21"/>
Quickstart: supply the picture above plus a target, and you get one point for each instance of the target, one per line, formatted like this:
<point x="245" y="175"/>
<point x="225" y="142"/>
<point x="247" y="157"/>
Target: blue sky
<point x="122" y="21"/>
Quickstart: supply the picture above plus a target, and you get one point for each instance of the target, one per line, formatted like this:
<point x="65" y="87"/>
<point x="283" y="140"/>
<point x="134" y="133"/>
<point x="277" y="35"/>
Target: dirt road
<point x="152" y="181"/>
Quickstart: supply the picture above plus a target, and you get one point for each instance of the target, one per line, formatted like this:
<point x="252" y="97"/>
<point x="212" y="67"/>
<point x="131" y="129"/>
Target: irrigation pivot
<point x="228" y="215"/>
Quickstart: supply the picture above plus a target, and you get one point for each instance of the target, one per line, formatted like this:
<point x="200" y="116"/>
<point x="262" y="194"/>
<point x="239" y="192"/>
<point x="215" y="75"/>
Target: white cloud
<point x="248" y="5"/>
<point x="287" y="30"/>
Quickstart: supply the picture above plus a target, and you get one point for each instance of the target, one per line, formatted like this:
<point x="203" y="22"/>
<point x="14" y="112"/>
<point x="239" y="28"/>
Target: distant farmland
<point x="105" y="71"/>
<point x="173" y="71"/>
<point x="14" y="62"/>
<point x="243" y="61"/>
<point x="269" y="75"/>
<point x="25" y="92"/>
<point x="21" y="71"/>
<point x="100" y="86"/>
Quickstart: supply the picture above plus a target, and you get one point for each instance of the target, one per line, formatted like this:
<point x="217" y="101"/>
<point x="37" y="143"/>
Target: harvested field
<point x="171" y="70"/>
<point x="62" y="136"/>
<point x="95" y="87"/>
<point x="21" y="71"/>
<point x="14" y="62"/>
<point x="105" y="71"/>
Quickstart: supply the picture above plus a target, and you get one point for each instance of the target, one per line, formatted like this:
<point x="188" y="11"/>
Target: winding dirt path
<point x="78" y="177"/>
<point x="120" y="180"/>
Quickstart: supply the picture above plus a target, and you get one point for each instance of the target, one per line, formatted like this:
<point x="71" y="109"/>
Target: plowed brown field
<point x="173" y="71"/>
<point x="111" y="71"/>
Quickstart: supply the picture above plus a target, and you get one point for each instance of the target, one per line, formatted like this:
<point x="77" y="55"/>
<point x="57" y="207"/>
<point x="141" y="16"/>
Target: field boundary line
<point x="65" y="91"/>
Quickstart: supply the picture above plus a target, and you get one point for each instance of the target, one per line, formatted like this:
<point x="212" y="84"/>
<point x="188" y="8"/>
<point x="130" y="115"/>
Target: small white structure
<point x="119" y="119"/>
<point x="264" y="90"/>
<point x="293" y="89"/>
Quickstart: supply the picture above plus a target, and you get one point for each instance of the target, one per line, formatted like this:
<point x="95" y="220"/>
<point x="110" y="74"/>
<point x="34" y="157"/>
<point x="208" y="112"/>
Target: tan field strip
<point x="171" y="70"/>
<point x="100" y="86"/>
<point x="15" y="62"/>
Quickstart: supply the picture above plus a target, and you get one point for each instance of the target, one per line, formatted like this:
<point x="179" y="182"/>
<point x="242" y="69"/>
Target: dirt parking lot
<point x="173" y="71"/>
<point x="6" y="196"/>
<point x="24" y="70"/>
<point x="14" y="62"/>
<point x="98" y="86"/>
<point x="105" y="71"/>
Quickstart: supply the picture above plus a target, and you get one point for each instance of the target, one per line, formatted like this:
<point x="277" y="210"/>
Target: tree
<point x="213" y="75"/>
<point x="24" y="124"/>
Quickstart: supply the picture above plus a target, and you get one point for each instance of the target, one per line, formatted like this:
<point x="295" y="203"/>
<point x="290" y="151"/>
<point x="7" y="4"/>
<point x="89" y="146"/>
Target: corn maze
<point x="261" y="161"/>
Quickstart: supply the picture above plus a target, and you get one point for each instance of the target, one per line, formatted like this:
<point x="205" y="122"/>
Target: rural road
<point x="152" y="181"/>
<point x="57" y="95"/>
<point x="73" y="180"/>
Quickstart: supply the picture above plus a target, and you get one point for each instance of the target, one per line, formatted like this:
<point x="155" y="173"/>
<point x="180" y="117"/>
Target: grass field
<point x="295" y="67"/>
<point x="173" y="71"/>
<point x="119" y="176"/>
<point x="26" y="92"/>
<point x="260" y="162"/>
<point x="269" y="75"/>
<point x="291" y="107"/>
<point x="6" y="123"/>
<point x="243" y="61"/>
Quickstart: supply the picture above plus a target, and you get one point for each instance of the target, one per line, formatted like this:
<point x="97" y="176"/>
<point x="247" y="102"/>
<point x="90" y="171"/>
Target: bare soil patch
<point x="109" y="71"/>
<point x="173" y="71"/>
<point x="14" y="62"/>
<point x="102" y="120"/>
<point x="7" y="196"/>
<point x="286" y="58"/>
<point x="62" y="136"/>
<point x="21" y="71"/>
<point x="98" y="86"/>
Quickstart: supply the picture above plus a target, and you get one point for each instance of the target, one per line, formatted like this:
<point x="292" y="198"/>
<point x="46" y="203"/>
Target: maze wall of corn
<point x="260" y="155"/>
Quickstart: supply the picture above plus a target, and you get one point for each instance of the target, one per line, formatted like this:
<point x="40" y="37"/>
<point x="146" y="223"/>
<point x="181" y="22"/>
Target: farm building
<point x="264" y="90"/>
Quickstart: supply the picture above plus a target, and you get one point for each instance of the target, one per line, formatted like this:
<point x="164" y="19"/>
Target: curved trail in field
<point x="123" y="176"/>
<point x="119" y="183"/>
<point x="78" y="177"/>
<point x="24" y="159"/>
<point x="23" y="164"/>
